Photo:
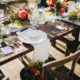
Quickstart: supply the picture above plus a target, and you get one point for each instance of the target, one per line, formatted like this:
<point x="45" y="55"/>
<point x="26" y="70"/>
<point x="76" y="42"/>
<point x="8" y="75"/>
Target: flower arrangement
<point x="36" y="69"/>
<point x="21" y="18"/>
<point x="74" y="15"/>
<point x="61" y="7"/>
<point x="58" y="6"/>
<point x="32" y="71"/>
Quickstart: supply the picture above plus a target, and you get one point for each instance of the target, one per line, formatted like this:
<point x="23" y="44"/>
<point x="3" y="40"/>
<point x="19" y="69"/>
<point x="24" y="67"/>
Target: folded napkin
<point x="6" y="50"/>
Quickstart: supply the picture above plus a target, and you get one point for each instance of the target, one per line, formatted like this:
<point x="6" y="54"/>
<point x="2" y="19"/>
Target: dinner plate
<point x="32" y="36"/>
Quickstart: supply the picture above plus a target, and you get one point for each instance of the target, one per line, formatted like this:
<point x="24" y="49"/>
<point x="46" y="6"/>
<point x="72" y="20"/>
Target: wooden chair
<point x="52" y="66"/>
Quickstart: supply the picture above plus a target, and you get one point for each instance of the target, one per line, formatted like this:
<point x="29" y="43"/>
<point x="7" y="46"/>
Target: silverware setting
<point x="13" y="43"/>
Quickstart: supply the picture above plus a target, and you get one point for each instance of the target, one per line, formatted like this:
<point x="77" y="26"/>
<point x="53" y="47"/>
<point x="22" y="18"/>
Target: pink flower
<point x="63" y="4"/>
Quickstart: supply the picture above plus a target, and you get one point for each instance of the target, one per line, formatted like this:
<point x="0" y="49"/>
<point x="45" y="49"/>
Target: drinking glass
<point x="1" y="13"/>
<point x="34" y="20"/>
<point x="4" y="31"/>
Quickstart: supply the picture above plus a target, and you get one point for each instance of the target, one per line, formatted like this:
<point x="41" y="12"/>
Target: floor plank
<point x="12" y="69"/>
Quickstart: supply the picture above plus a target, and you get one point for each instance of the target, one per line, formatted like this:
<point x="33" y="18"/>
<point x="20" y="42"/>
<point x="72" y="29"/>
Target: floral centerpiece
<point x="36" y="69"/>
<point x="74" y="15"/>
<point x="61" y="7"/>
<point x="33" y="71"/>
<point x="21" y="18"/>
<point x="57" y="6"/>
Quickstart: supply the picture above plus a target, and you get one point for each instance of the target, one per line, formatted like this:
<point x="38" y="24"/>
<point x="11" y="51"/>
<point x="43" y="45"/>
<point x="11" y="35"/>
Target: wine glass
<point x="4" y="31"/>
<point x="34" y="20"/>
<point x="1" y="13"/>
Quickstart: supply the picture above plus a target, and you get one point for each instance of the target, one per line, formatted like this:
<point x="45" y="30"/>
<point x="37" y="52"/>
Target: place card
<point x="6" y="50"/>
<point x="60" y="27"/>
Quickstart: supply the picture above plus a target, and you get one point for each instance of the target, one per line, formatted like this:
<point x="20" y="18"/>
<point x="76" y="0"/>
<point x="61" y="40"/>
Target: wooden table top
<point x="53" y="32"/>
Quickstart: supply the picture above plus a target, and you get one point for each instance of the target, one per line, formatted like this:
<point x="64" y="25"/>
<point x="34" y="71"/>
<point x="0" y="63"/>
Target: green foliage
<point x="51" y="76"/>
<point x="58" y="6"/>
<point x="12" y="19"/>
<point x="26" y="74"/>
<point x="73" y="18"/>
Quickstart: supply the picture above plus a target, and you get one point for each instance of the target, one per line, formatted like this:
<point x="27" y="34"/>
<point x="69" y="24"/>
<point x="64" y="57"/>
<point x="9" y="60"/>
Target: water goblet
<point x="34" y="20"/>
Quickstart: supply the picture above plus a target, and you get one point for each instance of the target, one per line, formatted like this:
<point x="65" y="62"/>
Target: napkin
<point x="6" y="50"/>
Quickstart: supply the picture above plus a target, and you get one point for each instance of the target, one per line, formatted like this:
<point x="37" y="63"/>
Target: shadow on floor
<point x="1" y="75"/>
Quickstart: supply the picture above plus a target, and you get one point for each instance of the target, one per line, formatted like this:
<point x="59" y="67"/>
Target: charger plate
<point x="32" y="36"/>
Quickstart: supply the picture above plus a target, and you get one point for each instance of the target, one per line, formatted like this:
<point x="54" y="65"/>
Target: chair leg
<point x="67" y="52"/>
<point x="69" y="76"/>
<point x="7" y="79"/>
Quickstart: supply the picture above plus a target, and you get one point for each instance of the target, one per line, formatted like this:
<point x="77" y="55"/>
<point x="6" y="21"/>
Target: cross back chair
<point x="49" y="66"/>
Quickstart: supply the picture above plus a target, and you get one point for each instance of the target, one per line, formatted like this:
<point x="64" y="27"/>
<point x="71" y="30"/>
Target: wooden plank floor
<point x="12" y="69"/>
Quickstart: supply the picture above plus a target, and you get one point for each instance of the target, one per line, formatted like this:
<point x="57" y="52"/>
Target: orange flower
<point x="63" y="4"/>
<point x="23" y="14"/>
<point x="62" y="10"/>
